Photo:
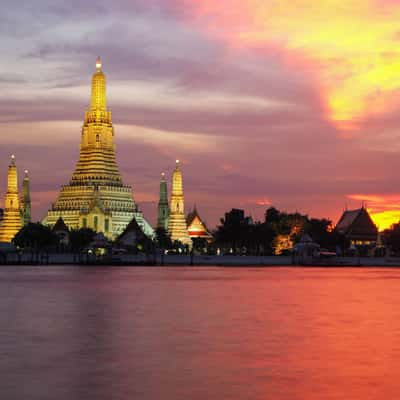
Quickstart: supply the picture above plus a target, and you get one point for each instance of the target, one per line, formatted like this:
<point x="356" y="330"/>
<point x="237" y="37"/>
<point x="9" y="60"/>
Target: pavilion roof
<point x="60" y="226"/>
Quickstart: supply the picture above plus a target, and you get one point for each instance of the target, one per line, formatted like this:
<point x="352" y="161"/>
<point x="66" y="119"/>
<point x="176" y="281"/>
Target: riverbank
<point x="183" y="260"/>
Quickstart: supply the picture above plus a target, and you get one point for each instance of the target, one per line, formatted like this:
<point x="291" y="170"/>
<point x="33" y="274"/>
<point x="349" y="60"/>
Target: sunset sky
<point x="291" y="103"/>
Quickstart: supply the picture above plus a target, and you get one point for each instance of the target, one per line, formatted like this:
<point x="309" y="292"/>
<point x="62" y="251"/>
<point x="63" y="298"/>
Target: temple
<point x="26" y="200"/>
<point x="163" y="208"/>
<point x="12" y="221"/>
<point x="96" y="197"/>
<point x="196" y="227"/>
<point x="177" y="227"/>
<point x="357" y="227"/>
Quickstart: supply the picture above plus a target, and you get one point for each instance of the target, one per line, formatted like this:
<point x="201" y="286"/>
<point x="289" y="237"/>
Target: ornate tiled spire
<point x="96" y="197"/>
<point x="11" y="223"/>
<point x="163" y="208"/>
<point x="26" y="200"/>
<point x="177" y="227"/>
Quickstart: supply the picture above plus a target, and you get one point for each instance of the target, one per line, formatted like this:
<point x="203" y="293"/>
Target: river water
<point x="199" y="333"/>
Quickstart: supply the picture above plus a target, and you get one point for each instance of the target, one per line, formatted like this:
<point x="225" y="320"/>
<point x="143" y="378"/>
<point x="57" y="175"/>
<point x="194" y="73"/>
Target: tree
<point x="81" y="238"/>
<point x="391" y="238"/>
<point x="163" y="240"/>
<point x="272" y="215"/>
<point x="322" y="232"/>
<point x="35" y="236"/>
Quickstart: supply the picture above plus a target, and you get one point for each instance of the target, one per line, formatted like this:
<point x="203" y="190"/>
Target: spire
<point x="98" y="64"/>
<point x="163" y="189"/>
<point x="163" y="207"/>
<point x="177" y="227"/>
<point x="177" y="185"/>
<point x="11" y="223"/>
<point x="12" y="185"/>
<point x="98" y="100"/>
<point x="26" y="200"/>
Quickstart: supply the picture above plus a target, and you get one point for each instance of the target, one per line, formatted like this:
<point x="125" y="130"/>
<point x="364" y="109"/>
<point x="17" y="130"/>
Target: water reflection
<point x="208" y="333"/>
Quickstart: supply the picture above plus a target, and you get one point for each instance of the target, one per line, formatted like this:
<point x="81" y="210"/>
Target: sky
<point x="290" y="103"/>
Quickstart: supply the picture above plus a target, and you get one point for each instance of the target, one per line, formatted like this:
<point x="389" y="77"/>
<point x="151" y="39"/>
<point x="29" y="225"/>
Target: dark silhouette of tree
<point x="272" y="215"/>
<point x="279" y="229"/>
<point x="163" y="240"/>
<point x="322" y="232"/>
<point x="391" y="238"/>
<point x="81" y="238"/>
<point x="35" y="236"/>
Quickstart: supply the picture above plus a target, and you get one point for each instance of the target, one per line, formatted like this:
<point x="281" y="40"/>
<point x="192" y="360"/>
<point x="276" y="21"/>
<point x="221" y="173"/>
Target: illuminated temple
<point x="177" y="227"/>
<point x="12" y="221"/>
<point x="196" y="227"/>
<point x="96" y="197"/>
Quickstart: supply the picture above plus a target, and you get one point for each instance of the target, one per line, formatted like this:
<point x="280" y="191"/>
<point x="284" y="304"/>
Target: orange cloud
<point x="264" y="202"/>
<point x="349" y="47"/>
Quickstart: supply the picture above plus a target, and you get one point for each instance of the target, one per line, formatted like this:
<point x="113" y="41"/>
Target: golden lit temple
<point x="177" y="227"/>
<point x="96" y="196"/>
<point x="12" y="221"/>
<point x="196" y="227"/>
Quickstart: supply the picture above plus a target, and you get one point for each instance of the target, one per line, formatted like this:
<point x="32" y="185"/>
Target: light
<point x="26" y="172"/>
<point x="12" y="157"/>
<point x="98" y="63"/>
<point x="177" y="161"/>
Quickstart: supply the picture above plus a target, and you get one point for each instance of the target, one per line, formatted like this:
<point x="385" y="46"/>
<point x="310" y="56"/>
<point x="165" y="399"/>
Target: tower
<point x="96" y="197"/>
<point x="11" y="223"/>
<point x="26" y="200"/>
<point x="163" y="208"/>
<point x="177" y="227"/>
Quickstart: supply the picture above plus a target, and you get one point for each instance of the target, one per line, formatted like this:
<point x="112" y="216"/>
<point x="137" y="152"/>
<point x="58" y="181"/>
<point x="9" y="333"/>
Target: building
<point x="96" y="196"/>
<point x="62" y="232"/>
<point x="12" y="221"/>
<point x="133" y="238"/>
<point x="26" y="200"/>
<point x="163" y="207"/>
<point x="357" y="227"/>
<point x="177" y="227"/>
<point x="196" y="227"/>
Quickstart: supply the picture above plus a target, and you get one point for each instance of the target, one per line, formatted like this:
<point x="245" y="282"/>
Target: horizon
<point x="212" y="88"/>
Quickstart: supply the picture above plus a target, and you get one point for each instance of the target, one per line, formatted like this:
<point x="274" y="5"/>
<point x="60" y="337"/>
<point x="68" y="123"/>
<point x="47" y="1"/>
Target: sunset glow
<point x="384" y="210"/>
<point x="351" y="48"/>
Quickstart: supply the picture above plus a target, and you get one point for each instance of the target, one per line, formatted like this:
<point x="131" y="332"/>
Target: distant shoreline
<point x="199" y="261"/>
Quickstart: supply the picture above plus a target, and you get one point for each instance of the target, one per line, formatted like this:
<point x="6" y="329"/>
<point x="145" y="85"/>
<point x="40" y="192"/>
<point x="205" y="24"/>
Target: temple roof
<point x="132" y="227"/>
<point x="60" y="226"/>
<point x="357" y="224"/>
<point x="196" y="227"/>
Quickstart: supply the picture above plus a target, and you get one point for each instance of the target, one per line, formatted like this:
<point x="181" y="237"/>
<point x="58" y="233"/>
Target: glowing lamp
<point x="98" y="63"/>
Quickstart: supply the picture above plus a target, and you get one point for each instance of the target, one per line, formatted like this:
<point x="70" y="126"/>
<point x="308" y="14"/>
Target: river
<point x="206" y="333"/>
